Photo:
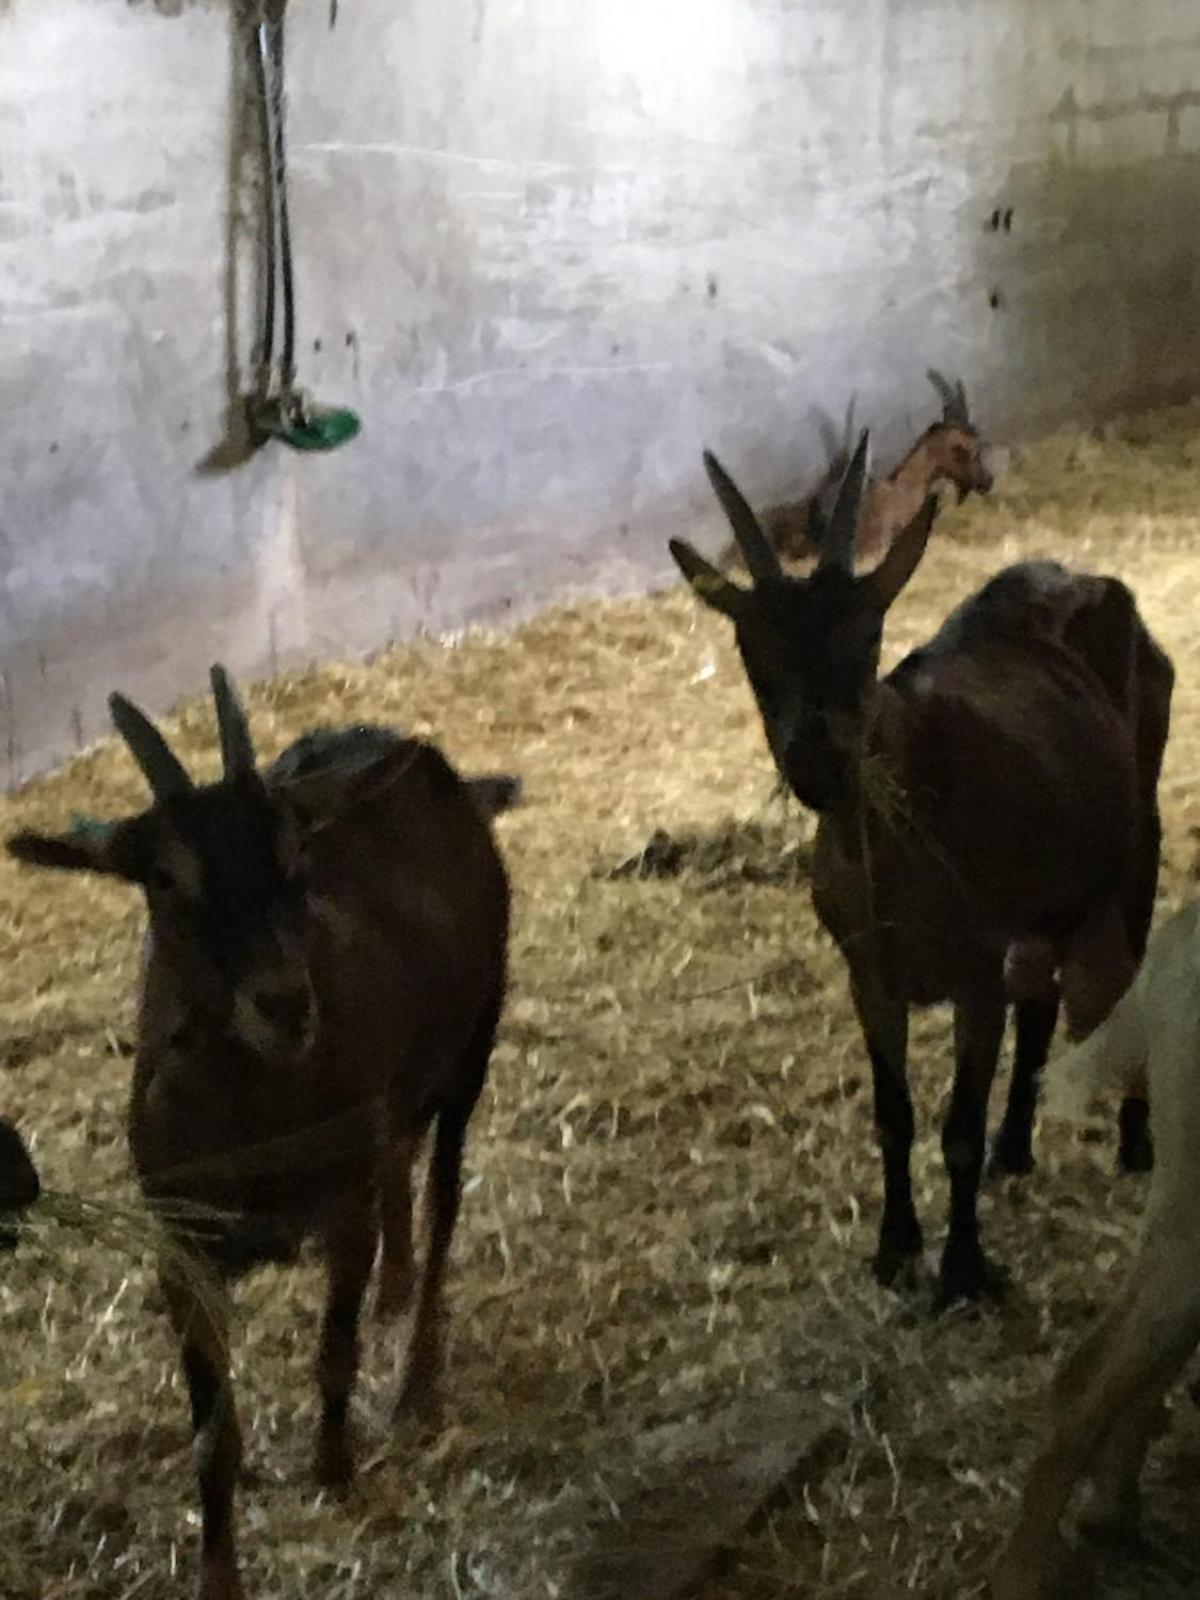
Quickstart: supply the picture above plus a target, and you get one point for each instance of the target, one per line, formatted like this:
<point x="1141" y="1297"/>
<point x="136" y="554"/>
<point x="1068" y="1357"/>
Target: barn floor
<point x="669" y="1365"/>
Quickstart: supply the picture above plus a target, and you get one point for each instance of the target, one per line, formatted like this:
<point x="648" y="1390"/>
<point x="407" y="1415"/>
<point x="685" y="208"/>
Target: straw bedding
<point x="673" y="1186"/>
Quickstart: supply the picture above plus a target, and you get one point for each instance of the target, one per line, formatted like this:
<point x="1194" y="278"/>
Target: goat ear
<point x="707" y="583"/>
<point x="88" y="847"/>
<point x="902" y="560"/>
<point x="320" y="798"/>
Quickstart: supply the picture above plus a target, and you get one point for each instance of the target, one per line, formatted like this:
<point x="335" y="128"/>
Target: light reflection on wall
<point x="678" y="63"/>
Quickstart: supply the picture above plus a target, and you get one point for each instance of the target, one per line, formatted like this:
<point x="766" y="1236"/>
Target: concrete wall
<point x="547" y="248"/>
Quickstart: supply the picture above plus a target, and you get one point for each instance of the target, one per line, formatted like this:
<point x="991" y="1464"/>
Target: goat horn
<point x="953" y="397"/>
<point x="237" y="747"/>
<point x="158" y="763"/>
<point x="837" y="547"/>
<point x="761" y="560"/>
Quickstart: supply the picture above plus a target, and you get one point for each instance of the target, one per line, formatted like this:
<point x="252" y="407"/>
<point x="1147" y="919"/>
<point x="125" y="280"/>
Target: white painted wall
<point x="549" y="250"/>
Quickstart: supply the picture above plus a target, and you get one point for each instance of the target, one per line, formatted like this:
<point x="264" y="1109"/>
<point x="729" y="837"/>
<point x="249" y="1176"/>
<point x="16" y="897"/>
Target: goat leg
<point x="420" y="1393"/>
<point x="1097" y="970"/>
<point x="351" y="1237"/>
<point x="397" y="1269"/>
<point x="198" y="1307"/>
<point x="1109" y="1402"/>
<point x="885" y="1028"/>
<point x="1012" y="1151"/>
<point x="965" y="1272"/>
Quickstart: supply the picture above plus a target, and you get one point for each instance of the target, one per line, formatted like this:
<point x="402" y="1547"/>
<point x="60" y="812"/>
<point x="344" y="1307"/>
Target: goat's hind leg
<point x="966" y="1273"/>
<point x="397" y="1266"/>
<point x="420" y="1395"/>
<point x="1012" y="1149"/>
<point x="351" y="1235"/>
<point x="198" y="1307"/>
<point x="885" y="1028"/>
<point x="1098" y="968"/>
<point x="1108" y="1399"/>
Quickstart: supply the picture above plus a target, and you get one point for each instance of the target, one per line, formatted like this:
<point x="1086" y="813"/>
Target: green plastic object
<point x="279" y="410"/>
<point x="306" y="427"/>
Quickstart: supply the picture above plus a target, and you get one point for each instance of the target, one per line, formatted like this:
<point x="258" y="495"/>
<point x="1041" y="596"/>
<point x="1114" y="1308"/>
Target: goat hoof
<point x="968" y="1276"/>
<point x="1052" y="1574"/>
<point x="419" y="1402"/>
<point x="220" y="1583"/>
<point x="1010" y="1160"/>
<point x="393" y="1298"/>
<point x="333" y="1467"/>
<point x="896" y="1265"/>
<point x="1137" y="1158"/>
<point x="1119" y="1531"/>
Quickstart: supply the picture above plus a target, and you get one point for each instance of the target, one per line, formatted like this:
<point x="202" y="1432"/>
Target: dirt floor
<point x="670" y="1365"/>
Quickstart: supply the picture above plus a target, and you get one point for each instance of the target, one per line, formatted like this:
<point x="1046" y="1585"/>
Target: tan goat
<point x="1108" y="1397"/>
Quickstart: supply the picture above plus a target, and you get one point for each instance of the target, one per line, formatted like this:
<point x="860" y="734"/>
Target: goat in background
<point x="987" y="810"/>
<point x="951" y="450"/>
<point x="1108" y="1398"/>
<point x="321" y="981"/>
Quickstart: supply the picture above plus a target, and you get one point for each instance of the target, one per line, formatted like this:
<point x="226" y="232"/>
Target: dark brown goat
<point x="322" y="978"/>
<point x="949" y="451"/>
<point x="19" y="1185"/>
<point x="989" y="808"/>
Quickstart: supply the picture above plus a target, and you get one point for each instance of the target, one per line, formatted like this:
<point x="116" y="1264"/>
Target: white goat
<point x="1109" y="1395"/>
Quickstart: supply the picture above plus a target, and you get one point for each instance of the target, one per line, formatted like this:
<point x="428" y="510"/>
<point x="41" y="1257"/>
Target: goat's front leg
<point x="351" y="1236"/>
<point x="978" y="1032"/>
<point x="885" y="1029"/>
<point x="198" y="1307"/>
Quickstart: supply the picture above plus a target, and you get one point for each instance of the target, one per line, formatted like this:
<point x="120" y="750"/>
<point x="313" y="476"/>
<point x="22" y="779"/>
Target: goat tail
<point x="1112" y="1060"/>
<point x="494" y="792"/>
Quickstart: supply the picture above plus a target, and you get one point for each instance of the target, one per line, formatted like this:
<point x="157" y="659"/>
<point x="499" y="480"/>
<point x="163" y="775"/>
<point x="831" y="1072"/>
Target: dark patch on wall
<point x="1097" y="289"/>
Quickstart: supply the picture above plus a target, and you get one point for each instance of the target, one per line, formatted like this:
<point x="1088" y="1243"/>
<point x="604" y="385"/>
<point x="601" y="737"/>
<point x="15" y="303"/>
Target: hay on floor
<point x="673" y="1182"/>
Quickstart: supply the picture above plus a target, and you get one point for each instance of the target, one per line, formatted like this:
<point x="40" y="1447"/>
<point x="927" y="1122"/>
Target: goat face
<point x="954" y="446"/>
<point x="811" y="650"/>
<point x="810" y="646"/>
<point x="958" y="453"/>
<point x="222" y="868"/>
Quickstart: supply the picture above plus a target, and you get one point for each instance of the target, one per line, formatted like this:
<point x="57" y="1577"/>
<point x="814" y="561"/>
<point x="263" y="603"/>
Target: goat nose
<point x="285" y="1009"/>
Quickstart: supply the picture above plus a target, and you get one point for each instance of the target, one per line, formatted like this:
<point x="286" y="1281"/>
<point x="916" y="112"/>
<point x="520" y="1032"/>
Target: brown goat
<point x="322" y="978"/>
<point x="991" y="803"/>
<point x="949" y="451"/>
<point x="19" y="1184"/>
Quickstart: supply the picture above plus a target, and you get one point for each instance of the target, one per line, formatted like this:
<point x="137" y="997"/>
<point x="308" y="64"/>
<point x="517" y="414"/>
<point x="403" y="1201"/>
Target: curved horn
<point x="953" y="398"/>
<point x="761" y="560"/>
<point x="848" y="425"/>
<point x="964" y="412"/>
<point x="837" y="547"/>
<point x="159" y="765"/>
<point x="237" y="747"/>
